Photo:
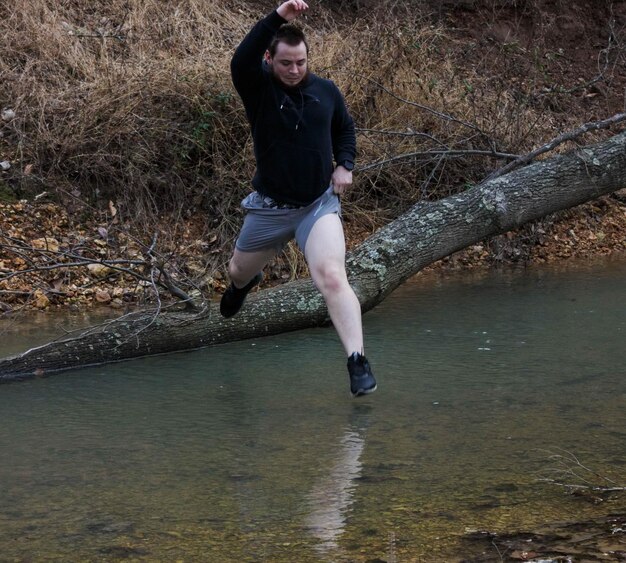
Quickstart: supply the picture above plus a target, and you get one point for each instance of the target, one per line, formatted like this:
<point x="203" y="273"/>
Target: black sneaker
<point x="362" y="379"/>
<point x="233" y="297"/>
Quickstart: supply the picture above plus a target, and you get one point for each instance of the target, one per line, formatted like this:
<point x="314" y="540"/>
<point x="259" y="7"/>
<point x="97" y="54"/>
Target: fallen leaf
<point x="46" y="243"/>
<point x="98" y="270"/>
<point x="103" y="296"/>
<point x="41" y="300"/>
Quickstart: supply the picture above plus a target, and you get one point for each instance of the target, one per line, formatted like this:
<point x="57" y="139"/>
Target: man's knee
<point x="243" y="266"/>
<point x="330" y="277"/>
<point x="239" y="272"/>
<point x="233" y="267"/>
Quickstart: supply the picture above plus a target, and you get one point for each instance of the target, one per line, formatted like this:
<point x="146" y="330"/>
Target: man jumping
<point x="304" y="146"/>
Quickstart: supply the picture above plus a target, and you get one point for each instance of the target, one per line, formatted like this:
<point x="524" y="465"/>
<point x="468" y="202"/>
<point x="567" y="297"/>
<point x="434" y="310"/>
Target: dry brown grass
<point x="118" y="96"/>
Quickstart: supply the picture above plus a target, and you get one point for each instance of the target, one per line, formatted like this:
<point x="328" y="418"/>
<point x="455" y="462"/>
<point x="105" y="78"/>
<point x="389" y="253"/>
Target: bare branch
<point x="26" y="252"/>
<point x="441" y="115"/>
<point x="439" y="154"/>
<point x="159" y="264"/>
<point x="409" y="133"/>
<point x="569" y="472"/>
<point x="60" y="265"/>
<point x="569" y="136"/>
<point x="175" y="290"/>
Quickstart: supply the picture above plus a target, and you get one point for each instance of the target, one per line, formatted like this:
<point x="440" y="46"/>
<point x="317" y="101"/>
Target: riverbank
<point x="53" y="235"/>
<point x="597" y="228"/>
<point x="137" y="152"/>
<point x="111" y="99"/>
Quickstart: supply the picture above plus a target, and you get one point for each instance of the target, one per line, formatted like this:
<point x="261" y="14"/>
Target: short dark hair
<point x="290" y="34"/>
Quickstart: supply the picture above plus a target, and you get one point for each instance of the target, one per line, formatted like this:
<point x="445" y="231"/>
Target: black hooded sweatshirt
<point x="296" y="131"/>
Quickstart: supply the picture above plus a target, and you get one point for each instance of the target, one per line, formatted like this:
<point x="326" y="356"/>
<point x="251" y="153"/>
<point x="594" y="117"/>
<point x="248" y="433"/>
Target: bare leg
<point x="325" y="254"/>
<point x="244" y="266"/>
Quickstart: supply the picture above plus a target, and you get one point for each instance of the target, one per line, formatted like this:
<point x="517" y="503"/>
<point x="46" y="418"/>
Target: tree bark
<point x="422" y="235"/>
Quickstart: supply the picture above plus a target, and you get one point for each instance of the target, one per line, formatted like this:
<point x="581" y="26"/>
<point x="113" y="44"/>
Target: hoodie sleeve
<point x="246" y="65"/>
<point x="342" y="131"/>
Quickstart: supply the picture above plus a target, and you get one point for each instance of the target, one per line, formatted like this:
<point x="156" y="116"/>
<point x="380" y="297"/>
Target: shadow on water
<point x="254" y="451"/>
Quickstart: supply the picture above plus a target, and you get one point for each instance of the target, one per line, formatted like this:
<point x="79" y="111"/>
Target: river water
<point x="253" y="451"/>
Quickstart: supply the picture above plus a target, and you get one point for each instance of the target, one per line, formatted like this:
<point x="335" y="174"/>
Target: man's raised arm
<point x="245" y="66"/>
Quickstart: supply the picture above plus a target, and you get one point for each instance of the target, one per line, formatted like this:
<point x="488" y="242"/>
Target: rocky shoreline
<point x="597" y="228"/>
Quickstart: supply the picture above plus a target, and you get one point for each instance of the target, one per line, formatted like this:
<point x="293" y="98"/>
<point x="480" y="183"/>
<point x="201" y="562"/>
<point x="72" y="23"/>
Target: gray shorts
<point x="267" y="226"/>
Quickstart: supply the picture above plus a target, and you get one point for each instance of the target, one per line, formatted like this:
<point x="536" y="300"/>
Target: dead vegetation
<point x="129" y="106"/>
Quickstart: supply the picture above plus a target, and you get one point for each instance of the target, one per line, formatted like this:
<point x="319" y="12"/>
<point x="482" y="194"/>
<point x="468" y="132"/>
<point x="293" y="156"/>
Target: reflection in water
<point x="332" y="496"/>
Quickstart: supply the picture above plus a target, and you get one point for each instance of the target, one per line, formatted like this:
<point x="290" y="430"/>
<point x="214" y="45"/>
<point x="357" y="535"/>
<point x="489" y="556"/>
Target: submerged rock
<point x="110" y="527"/>
<point x="123" y="551"/>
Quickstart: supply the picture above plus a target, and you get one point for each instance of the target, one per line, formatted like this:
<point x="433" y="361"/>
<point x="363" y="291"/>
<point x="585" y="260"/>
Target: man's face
<point x="289" y="63"/>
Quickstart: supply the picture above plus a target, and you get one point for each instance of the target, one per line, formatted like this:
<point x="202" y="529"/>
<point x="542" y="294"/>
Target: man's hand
<point x="291" y="9"/>
<point x="341" y="179"/>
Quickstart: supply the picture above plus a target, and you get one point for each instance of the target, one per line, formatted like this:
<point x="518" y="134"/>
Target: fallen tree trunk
<point x="424" y="234"/>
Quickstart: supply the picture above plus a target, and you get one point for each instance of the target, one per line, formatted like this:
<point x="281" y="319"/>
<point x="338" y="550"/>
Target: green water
<point x="255" y="452"/>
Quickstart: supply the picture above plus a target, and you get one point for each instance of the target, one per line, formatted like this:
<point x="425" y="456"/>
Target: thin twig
<point x="100" y="36"/>
<point x="19" y="248"/>
<point x="426" y="182"/>
<point x="409" y="133"/>
<point x="570" y="473"/>
<point x="108" y="263"/>
<point x="440" y="154"/>
<point x="175" y="290"/>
